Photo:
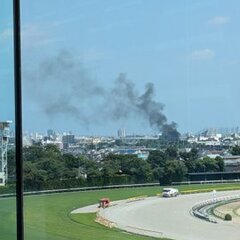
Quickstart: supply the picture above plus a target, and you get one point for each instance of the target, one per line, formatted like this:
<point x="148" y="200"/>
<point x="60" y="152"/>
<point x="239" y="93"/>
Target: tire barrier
<point x="203" y="210"/>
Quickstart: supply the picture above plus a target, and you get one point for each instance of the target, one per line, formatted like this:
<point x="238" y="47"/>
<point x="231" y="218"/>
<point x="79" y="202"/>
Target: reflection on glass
<point x="7" y="152"/>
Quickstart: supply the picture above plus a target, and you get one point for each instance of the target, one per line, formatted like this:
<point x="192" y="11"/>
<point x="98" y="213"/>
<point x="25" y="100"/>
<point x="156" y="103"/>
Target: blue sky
<point x="188" y="49"/>
<point x="6" y="60"/>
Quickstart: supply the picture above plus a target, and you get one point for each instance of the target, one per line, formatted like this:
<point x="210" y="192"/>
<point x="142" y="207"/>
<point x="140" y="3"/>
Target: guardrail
<point x="201" y="210"/>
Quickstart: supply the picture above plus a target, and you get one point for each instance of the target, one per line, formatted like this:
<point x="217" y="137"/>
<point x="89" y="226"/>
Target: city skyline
<point x="128" y="132"/>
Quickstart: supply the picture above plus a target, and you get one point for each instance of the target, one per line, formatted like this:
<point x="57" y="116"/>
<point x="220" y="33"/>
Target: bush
<point x="228" y="217"/>
<point x="9" y="188"/>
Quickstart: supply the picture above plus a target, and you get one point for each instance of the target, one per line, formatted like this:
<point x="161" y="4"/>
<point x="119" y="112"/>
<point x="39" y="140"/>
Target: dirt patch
<point x="232" y="208"/>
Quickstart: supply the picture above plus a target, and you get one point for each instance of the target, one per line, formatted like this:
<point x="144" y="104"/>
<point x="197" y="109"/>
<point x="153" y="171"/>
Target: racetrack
<point x="171" y="218"/>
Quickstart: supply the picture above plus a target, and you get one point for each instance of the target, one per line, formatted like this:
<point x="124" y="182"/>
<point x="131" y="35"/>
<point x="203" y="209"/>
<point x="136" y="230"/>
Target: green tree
<point x="129" y="165"/>
<point x="171" y="153"/>
<point x="190" y="159"/>
<point x="174" y="171"/>
<point x="157" y="159"/>
<point x="235" y="150"/>
<point x="70" y="161"/>
<point x="208" y="164"/>
<point x="33" y="153"/>
<point x="138" y="168"/>
<point x="220" y="162"/>
<point x="33" y="176"/>
<point x="89" y="166"/>
<point x="11" y="163"/>
<point x="53" y="167"/>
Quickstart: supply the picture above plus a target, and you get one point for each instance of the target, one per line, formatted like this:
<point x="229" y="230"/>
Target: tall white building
<point x="4" y="138"/>
<point x="121" y="133"/>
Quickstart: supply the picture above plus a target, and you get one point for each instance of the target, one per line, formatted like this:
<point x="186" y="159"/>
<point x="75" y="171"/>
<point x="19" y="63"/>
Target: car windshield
<point x="166" y="190"/>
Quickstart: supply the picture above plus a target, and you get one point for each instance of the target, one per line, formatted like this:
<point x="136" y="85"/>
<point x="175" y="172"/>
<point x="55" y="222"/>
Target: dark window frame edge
<point x="18" y="117"/>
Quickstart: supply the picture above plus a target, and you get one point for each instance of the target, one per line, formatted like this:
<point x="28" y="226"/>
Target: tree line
<point x="46" y="167"/>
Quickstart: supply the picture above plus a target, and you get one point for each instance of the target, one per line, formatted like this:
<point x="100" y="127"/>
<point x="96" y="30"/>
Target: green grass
<point x="47" y="216"/>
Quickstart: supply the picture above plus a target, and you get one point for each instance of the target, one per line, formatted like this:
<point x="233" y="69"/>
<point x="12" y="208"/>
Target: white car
<point x="170" y="192"/>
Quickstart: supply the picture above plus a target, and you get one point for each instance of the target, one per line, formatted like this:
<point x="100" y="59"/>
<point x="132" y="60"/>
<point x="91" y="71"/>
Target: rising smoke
<point x="65" y="88"/>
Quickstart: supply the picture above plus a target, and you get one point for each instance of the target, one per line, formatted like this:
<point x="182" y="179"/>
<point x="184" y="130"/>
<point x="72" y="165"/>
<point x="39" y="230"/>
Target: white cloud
<point x="35" y="35"/>
<point x="203" y="54"/>
<point x="7" y="33"/>
<point x="219" y="20"/>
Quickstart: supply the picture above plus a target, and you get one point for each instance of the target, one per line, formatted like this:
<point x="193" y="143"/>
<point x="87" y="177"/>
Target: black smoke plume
<point x="65" y="88"/>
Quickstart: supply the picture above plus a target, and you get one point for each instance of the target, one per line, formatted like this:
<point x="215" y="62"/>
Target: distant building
<point x="51" y="134"/>
<point x="67" y="140"/>
<point x="4" y="142"/>
<point x="121" y="133"/>
<point x="27" y="141"/>
<point x="59" y="144"/>
<point x="232" y="163"/>
<point x="143" y="154"/>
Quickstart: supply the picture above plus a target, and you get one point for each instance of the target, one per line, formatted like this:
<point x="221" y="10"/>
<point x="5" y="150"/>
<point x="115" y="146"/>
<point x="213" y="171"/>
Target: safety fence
<point x="82" y="189"/>
<point x="115" y="187"/>
<point x="206" y="182"/>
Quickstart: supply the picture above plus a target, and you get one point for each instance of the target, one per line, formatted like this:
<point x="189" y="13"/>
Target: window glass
<point x="7" y="152"/>
<point x="123" y="99"/>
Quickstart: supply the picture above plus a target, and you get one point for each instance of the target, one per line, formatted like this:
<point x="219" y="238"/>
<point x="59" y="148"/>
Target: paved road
<point x="171" y="218"/>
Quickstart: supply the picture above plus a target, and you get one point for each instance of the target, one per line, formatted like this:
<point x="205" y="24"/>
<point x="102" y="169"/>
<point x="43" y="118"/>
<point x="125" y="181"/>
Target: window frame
<point x="18" y="117"/>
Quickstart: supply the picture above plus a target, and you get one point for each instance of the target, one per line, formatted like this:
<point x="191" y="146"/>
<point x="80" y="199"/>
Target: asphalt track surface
<point x="171" y="218"/>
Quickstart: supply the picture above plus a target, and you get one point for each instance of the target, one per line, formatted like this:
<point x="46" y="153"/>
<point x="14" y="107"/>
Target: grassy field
<point x="47" y="216"/>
